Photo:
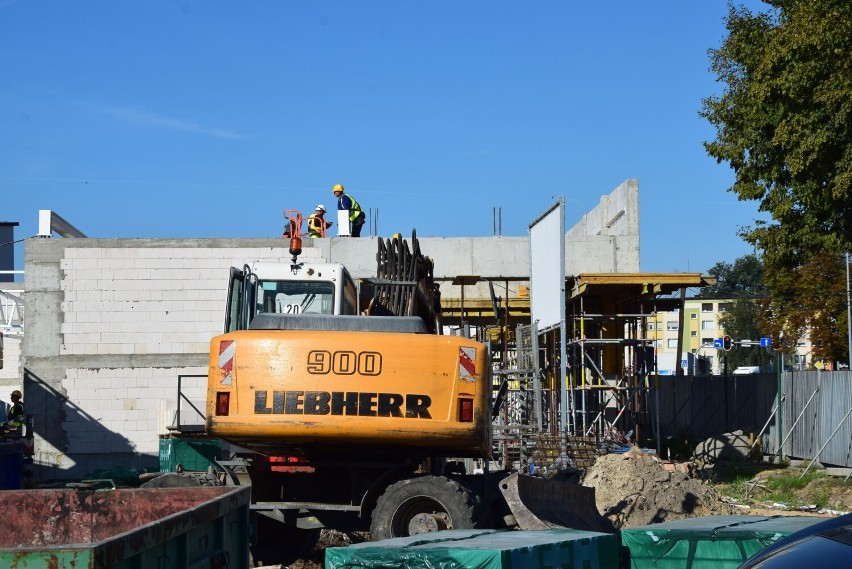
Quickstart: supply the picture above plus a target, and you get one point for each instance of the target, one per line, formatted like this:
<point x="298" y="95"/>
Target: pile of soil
<point x="633" y="489"/>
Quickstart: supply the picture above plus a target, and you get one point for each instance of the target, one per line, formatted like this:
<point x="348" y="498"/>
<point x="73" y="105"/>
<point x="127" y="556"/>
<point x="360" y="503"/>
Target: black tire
<point x="424" y="504"/>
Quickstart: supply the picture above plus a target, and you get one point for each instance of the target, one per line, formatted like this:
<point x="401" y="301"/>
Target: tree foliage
<point x="742" y="320"/>
<point x="742" y="279"/>
<point x="811" y="299"/>
<point x="784" y="124"/>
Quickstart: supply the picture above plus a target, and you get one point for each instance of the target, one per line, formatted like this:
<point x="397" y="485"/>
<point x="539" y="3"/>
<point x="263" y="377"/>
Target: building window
<point x="650" y="325"/>
<point x="708" y="325"/>
<point x="659" y="343"/>
<point x="671" y="325"/>
<point x="725" y="306"/>
<point x="671" y="343"/>
<point x="693" y="333"/>
<point x="706" y="307"/>
<point x="707" y="342"/>
<point x="693" y="316"/>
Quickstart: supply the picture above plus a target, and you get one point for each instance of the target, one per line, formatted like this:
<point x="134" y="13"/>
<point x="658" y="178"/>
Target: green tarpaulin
<point x="710" y="542"/>
<point x="482" y="549"/>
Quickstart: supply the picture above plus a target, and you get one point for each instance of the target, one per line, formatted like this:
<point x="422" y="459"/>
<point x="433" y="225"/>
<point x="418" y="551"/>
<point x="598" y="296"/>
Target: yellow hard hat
<point x="337" y="188"/>
<point x="17" y="394"/>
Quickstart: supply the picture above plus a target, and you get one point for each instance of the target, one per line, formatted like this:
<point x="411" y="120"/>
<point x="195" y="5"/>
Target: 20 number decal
<point x="344" y="362"/>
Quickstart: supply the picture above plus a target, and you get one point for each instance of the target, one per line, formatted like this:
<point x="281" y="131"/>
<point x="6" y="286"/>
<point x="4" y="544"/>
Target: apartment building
<point x="701" y="326"/>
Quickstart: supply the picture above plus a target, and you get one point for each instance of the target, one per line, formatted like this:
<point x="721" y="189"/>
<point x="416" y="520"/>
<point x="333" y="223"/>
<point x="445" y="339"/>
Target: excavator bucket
<point x="540" y="503"/>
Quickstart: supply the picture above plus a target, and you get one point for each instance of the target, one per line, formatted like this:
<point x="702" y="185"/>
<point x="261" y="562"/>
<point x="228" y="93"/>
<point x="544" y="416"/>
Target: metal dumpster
<point x="190" y="528"/>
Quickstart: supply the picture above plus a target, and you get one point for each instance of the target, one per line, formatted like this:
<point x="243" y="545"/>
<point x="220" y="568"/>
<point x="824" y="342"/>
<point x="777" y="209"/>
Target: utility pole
<point x="848" y="314"/>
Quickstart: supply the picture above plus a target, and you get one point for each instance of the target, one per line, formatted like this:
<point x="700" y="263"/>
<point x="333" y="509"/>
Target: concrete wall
<point x="111" y="323"/>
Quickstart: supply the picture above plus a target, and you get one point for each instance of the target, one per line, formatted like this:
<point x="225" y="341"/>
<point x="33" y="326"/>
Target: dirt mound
<point x="633" y="489"/>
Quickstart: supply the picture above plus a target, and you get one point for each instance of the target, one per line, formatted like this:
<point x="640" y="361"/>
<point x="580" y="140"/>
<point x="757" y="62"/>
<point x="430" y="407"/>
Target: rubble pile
<point x="634" y="489"/>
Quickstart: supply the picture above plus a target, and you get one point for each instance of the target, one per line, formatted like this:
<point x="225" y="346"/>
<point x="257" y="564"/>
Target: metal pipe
<point x="777" y="406"/>
<point x="796" y="422"/>
<point x="825" y="444"/>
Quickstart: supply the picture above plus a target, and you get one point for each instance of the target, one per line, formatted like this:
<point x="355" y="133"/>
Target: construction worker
<point x="356" y="214"/>
<point x="15" y="417"/>
<point x="317" y="225"/>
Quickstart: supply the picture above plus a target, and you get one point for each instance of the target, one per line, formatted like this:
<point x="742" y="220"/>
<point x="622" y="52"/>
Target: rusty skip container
<point x="173" y="528"/>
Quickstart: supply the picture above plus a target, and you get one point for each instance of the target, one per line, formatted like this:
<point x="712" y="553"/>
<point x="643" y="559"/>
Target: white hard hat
<point x="320" y="207"/>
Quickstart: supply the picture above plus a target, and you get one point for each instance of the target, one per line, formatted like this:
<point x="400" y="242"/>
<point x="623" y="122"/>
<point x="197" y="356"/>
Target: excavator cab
<point x="277" y="288"/>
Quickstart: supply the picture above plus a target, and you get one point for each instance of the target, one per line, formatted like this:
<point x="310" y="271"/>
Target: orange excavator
<point x="357" y="413"/>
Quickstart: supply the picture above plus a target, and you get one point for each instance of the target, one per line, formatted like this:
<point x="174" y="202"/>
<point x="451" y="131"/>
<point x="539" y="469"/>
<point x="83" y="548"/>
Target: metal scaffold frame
<point x="608" y="399"/>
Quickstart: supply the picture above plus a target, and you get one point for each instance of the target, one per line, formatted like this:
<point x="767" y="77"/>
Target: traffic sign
<point x="766" y="342"/>
<point x="718" y="343"/>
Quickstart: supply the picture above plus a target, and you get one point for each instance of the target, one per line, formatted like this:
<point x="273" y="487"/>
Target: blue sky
<point x="208" y="119"/>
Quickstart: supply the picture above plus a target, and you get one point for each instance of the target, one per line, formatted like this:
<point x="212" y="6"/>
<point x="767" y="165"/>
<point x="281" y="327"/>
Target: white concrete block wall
<point x="124" y="410"/>
<point x="127" y="300"/>
<point x="11" y="372"/>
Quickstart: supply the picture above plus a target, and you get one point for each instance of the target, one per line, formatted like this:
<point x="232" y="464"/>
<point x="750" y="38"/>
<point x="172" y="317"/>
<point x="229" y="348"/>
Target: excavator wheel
<point x="424" y="504"/>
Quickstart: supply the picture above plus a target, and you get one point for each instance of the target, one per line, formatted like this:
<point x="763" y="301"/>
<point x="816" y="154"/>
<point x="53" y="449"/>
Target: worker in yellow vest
<point x="356" y="213"/>
<point x="317" y="225"/>
<point x="15" y="418"/>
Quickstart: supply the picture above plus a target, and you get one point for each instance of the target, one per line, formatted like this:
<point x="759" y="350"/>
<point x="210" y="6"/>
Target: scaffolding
<point x="610" y="372"/>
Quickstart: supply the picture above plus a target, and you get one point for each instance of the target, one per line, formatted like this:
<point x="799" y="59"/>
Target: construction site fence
<point x="815" y="421"/>
<point x="696" y="408"/>
<point x="804" y="415"/>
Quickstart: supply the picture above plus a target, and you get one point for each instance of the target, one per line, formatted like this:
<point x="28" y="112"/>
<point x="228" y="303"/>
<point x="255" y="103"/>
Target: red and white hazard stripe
<point x="467" y="367"/>
<point x="227" y="348"/>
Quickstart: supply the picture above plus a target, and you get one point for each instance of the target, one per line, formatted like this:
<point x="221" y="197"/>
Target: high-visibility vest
<point x="316" y="225"/>
<point x="355" y="210"/>
<point x="16" y="416"/>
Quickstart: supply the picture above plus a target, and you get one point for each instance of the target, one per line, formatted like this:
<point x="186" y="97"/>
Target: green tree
<point x="784" y="124"/>
<point x="742" y="282"/>
<point x="743" y="320"/>
<point x="741" y="279"/>
<point x="811" y="299"/>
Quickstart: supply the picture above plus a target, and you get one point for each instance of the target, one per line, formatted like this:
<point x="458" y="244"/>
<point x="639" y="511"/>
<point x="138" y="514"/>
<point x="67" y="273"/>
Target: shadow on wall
<point x="70" y="443"/>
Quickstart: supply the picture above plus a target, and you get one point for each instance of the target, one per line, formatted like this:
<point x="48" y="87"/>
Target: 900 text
<point x="344" y="362"/>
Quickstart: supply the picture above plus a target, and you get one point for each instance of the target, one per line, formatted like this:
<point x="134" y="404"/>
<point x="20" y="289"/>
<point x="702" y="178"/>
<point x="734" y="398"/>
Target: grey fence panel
<point x="800" y="422"/>
<point x="836" y="405"/>
<point x="675" y="399"/>
<point x="702" y="407"/>
<point x="816" y="403"/>
<point x="750" y="399"/>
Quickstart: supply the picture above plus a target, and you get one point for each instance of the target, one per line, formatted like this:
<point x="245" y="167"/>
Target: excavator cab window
<point x="296" y="297"/>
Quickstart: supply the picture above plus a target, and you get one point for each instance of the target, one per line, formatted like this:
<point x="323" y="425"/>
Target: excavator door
<point x="241" y="299"/>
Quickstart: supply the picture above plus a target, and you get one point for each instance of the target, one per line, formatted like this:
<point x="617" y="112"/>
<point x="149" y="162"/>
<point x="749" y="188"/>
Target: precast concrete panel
<point x="547" y="267"/>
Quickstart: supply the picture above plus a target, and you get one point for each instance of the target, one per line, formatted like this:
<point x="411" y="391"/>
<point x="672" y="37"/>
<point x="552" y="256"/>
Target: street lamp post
<point x="848" y="314"/>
